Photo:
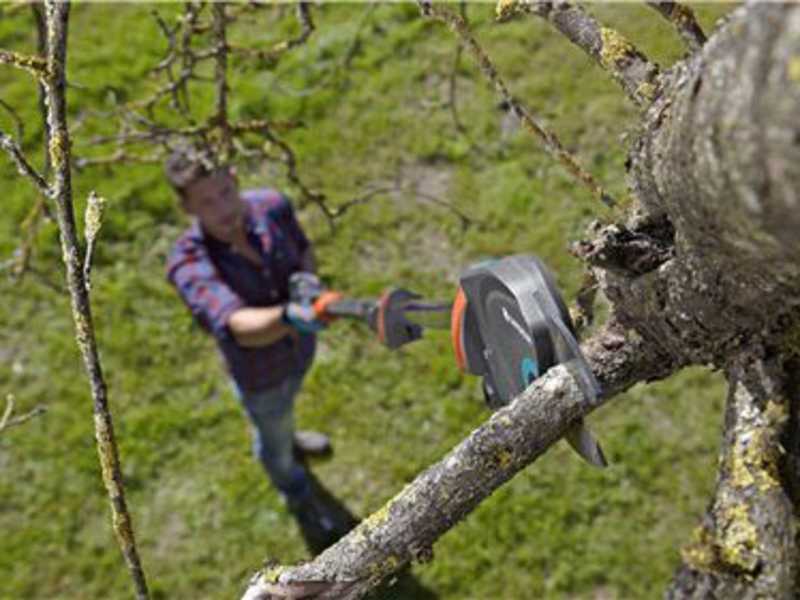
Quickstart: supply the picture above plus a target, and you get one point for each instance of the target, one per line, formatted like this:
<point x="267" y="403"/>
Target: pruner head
<point x="389" y="320"/>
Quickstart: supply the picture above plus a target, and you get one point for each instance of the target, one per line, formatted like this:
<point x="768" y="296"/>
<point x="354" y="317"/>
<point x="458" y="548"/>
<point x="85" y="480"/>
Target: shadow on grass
<point x="401" y="586"/>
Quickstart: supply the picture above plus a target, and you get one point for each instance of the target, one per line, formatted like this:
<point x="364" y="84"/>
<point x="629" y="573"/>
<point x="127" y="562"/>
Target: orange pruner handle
<point x="321" y="304"/>
<point x="457" y="328"/>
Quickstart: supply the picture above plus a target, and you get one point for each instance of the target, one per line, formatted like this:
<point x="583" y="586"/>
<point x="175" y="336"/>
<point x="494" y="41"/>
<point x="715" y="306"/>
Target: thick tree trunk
<point x="705" y="271"/>
<point x="716" y="172"/>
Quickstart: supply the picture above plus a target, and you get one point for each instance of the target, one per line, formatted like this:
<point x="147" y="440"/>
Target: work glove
<point x="307" y="307"/>
<point x="304" y="287"/>
<point x="302" y="317"/>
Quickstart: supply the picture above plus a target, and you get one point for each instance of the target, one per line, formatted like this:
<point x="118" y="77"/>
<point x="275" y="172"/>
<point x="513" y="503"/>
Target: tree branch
<point x="57" y="14"/>
<point x="24" y="167"/>
<point x="549" y="139"/>
<point x="221" y="78"/>
<point x="7" y="421"/>
<point x="15" y="117"/>
<point x="683" y="19"/>
<point x="405" y="529"/>
<point x="745" y="546"/>
<point x="626" y="64"/>
<point x="273" y="54"/>
<point x="35" y="65"/>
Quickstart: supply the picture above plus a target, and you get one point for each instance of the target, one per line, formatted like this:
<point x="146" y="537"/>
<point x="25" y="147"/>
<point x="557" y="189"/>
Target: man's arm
<point x="258" y="326"/>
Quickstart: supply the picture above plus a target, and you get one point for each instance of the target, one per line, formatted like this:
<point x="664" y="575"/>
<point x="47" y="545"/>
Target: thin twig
<point x="221" y="80"/>
<point x="683" y="19"/>
<point x="24" y="167"/>
<point x="29" y="227"/>
<point x="57" y="19"/>
<point x="7" y="422"/>
<point x="290" y="161"/>
<point x="35" y="65"/>
<point x="549" y="139"/>
<point x="272" y="55"/>
<point x="15" y="116"/>
<point x="453" y="87"/>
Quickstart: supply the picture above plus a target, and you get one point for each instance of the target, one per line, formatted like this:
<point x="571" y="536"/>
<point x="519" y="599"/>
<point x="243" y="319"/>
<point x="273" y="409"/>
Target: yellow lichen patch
<point x="105" y="450"/>
<point x="615" y="48"/>
<point x="505" y="419"/>
<point x="83" y="331"/>
<point x="755" y="461"/>
<point x="504" y="458"/>
<point x="272" y="573"/>
<point x="58" y="150"/>
<point x="738" y="537"/>
<point x="700" y="553"/>
<point x="384" y="567"/>
<point x="776" y="413"/>
<point x="378" y="517"/>
<point x="793" y="69"/>
<point x="35" y="65"/>
<point x="506" y="9"/>
<point x="646" y="91"/>
<point x="681" y="14"/>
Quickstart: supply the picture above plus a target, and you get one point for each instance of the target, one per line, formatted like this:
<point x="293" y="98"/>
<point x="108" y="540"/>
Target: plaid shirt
<point x="214" y="281"/>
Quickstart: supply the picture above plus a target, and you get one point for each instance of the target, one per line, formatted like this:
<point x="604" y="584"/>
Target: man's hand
<point x="302" y="317"/>
<point x="304" y="287"/>
<point x="307" y="309"/>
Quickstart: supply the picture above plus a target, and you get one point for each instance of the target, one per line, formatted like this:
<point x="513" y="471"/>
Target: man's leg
<point x="272" y="417"/>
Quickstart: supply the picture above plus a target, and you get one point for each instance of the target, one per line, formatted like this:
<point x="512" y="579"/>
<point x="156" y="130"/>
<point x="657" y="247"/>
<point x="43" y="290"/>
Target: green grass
<point x="205" y="517"/>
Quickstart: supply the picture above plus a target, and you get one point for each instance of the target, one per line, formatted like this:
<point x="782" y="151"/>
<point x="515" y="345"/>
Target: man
<point x="233" y="269"/>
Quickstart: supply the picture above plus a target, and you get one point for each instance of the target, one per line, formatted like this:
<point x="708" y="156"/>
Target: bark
<point x="683" y="19"/>
<point x="57" y="14"/>
<point x="718" y="164"/>
<point x="746" y="545"/>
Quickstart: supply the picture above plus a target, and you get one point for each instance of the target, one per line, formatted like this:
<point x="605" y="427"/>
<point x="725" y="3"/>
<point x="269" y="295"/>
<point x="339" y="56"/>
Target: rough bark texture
<point x="718" y="163"/>
<point x="706" y="270"/>
<point x="746" y="546"/>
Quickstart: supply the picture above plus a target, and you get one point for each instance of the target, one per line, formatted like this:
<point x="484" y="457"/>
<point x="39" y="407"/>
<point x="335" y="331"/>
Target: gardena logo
<point x="520" y="330"/>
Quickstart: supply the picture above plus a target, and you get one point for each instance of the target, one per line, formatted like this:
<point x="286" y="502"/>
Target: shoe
<point x="312" y="443"/>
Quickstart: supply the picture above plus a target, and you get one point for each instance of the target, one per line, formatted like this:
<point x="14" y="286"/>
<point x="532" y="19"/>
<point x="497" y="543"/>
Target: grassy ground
<point x="204" y="515"/>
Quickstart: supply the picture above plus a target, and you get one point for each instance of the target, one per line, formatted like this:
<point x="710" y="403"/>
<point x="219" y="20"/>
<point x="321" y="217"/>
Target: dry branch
<point x="59" y="148"/>
<point x="683" y="19"/>
<point x="6" y="421"/>
<point x="34" y="65"/>
<point x="533" y="125"/>
<point x="24" y="167"/>
<point x="272" y="55"/>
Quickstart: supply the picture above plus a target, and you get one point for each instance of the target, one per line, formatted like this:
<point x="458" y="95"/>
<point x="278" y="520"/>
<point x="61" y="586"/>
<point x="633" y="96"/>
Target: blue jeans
<point x="272" y="418"/>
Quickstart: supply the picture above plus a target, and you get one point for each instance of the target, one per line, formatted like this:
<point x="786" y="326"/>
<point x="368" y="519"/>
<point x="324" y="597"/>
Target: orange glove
<point x="321" y="304"/>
